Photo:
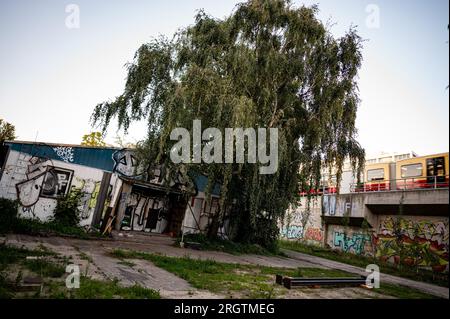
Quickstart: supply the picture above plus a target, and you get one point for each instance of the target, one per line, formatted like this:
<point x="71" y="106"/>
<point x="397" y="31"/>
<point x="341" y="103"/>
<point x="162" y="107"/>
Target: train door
<point x="436" y="171"/>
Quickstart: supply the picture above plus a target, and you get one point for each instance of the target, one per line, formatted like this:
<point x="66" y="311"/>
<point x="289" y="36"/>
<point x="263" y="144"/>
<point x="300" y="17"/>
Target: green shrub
<point x="45" y="268"/>
<point x="8" y="214"/>
<point x="67" y="210"/>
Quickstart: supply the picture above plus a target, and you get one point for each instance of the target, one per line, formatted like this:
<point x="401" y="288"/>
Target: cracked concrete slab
<point x="94" y="258"/>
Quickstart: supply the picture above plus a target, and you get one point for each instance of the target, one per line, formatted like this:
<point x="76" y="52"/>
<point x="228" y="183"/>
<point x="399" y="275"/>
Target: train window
<point x="375" y="175"/>
<point x="412" y="170"/>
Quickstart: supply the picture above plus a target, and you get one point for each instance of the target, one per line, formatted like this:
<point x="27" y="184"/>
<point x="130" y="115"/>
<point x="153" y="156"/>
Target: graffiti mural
<point x="303" y="222"/>
<point x="329" y="205"/>
<point x="28" y="192"/>
<point x="144" y="214"/>
<point x="417" y="243"/>
<point x="314" y="234"/>
<point x="354" y="243"/>
<point x="90" y="191"/>
<point x="292" y="232"/>
<point x="56" y="182"/>
<point x="125" y="163"/>
<point x="64" y="153"/>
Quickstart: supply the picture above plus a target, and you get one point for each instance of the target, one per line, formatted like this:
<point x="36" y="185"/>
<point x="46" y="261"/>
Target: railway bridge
<point x="369" y="205"/>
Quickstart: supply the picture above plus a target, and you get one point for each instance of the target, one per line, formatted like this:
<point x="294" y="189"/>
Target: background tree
<point x="93" y="139"/>
<point x="7" y="131"/>
<point x="269" y="64"/>
<point x="123" y="143"/>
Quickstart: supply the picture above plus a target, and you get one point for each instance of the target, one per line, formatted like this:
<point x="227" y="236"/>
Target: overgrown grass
<point x="46" y="268"/>
<point x="227" y="246"/>
<point x="51" y="268"/>
<point x="11" y="255"/>
<point x="11" y="223"/>
<point x="362" y="261"/>
<point x="247" y="280"/>
<point x="96" y="289"/>
<point x="35" y="227"/>
<point x="403" y="292"/>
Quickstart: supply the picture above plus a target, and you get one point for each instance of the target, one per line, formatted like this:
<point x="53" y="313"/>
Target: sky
<point x="53" y="70"/>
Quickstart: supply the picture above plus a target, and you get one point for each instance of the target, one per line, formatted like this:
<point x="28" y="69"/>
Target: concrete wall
<point x="140" y="211"/>
<point x="421" y="240"/>
<point x="36" y="182"/>
<point x="198" y="210"/>
<point x="304" y="223"/>
<point x="413" y="240"/>
<point x="349" y="239"/>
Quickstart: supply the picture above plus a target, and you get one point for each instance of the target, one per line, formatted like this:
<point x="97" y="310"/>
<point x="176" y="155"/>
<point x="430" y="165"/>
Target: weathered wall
<point x="197" y="214"/>
<point x="304" y="223"/>
<point x="413" y="240"/>
<point x="420" y="240"/>
<point x="350" y="239"/>
<point x="37" y="181"/>
<point x="143" y="213"/>
<point x="198" y="210"/>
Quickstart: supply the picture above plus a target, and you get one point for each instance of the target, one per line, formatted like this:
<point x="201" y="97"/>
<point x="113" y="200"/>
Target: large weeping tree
<point x="268" y="65"/>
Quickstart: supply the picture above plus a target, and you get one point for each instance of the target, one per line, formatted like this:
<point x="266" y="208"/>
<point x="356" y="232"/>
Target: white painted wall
<point x="198" y="217"/>
<point x="304" y="222"/>
<point x="20" y="171"/>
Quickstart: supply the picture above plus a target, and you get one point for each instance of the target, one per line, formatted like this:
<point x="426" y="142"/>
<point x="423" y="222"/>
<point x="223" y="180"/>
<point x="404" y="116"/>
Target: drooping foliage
<point x="7" y="131"/>
<point x="269" y="64"/>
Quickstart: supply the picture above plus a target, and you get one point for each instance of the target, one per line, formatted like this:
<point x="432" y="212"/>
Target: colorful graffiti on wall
<point x="125" y="163"/>
<point x="143" y="214"/>
<point x="65" y="153"/>
<point x="90" y="190"/>
<point x="298" y="232"/>
<point x="292" y="232"/>
<point x="314" y="234"/>
<point x="415" y="243"/>
<point x="42" y="180"/>
<point x="303" y="223"/>
<point x="354" y="243"/>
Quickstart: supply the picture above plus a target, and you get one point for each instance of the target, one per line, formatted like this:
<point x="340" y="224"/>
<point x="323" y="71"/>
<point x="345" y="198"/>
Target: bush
<point x="67" y="210"/>
<point x="8" y="214"/>
<point x="65" y="221"/>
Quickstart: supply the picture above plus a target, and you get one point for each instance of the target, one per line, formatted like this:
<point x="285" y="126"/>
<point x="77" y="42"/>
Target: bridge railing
<point x="413" y="183"/>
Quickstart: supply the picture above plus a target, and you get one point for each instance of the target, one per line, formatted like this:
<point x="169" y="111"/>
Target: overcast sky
<point x="52" y="76"/>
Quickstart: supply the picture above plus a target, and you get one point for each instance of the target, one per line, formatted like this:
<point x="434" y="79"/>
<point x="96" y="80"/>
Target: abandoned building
<point x="385" y="222"/>
<point x="114" y="195"/>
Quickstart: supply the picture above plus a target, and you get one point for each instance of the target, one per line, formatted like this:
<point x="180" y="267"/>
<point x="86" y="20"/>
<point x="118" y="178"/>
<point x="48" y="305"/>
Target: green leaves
<point x="7" y="131"/>
<point x="269" y="64"/>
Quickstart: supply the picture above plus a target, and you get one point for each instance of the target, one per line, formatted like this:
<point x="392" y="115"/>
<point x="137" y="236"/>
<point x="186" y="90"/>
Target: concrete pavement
<point x="434" y="290"/>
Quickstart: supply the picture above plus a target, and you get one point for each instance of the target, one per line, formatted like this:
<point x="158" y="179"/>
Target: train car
<point x="423" y="172"/>
<point x="377" y="177"/>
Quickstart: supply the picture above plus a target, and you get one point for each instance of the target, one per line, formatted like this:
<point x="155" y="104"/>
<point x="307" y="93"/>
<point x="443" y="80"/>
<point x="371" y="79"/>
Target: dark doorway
<point x="436" y="170"/>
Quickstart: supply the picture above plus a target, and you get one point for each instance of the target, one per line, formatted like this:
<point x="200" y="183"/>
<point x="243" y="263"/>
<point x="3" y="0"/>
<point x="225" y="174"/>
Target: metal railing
<point x="413" y="183"/>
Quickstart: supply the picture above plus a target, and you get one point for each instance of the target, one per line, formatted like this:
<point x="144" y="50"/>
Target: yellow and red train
<point x="431" y="171"/>
<point x="413" y="173"/>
